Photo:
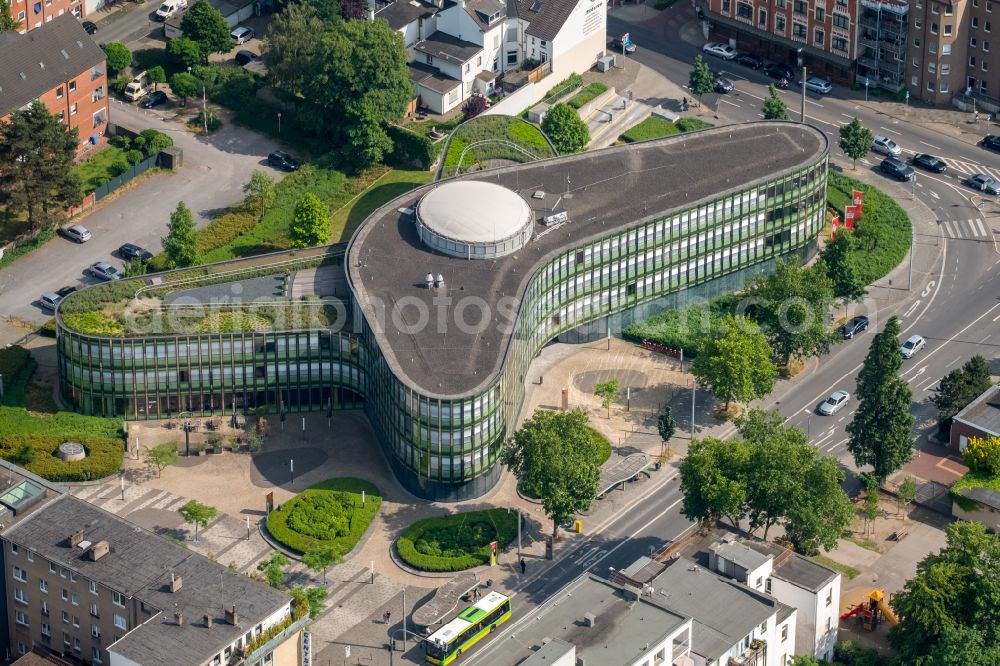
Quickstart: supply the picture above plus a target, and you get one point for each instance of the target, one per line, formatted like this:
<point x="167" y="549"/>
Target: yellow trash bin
<point x="578" y="526"/>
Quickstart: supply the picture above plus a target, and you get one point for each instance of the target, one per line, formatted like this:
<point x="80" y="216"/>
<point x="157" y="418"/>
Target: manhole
<point x="70" y="451"/>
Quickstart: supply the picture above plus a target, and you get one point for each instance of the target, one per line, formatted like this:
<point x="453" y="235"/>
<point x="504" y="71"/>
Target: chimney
<point x="99" y="550"/>
<point x="175" y="583"/>
<point x="179" y="618"/>
<point x="208" y="621"/>
<point x="76" y="538"/>
<point x="232" y="617"/>
<point x="589" y="619"/>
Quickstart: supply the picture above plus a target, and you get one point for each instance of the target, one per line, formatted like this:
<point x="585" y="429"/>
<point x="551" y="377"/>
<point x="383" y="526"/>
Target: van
<point x="138" y="87"/>
<point x="169" y="8"/>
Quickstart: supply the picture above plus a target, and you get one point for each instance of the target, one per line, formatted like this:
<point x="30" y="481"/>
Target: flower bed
<point x="329" y="513"/>
<point x="456" y="542"/>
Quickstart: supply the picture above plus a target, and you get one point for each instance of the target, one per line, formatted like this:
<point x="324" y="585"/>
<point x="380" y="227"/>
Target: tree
<point x="960" y="387"/>
<point x="712" y="480"/>
<point x="774" y="107"/>
<point x="791" y="308"/>
<point x="563" y="126"/>
<point x="160" y="456"/>
<point x="666" y="426"/>
<point x="180" y="243"/>
<point x="955" y="595"/>
<point x="184" y="52"/>
<point x="855" y="141"/>
<point x="273" y="569"/>
<point x="205" y="26"/>
<point x="473" y="106"/>
<point x="351" y="76"/>
<point x="982" y="455"/>
<point x="198" y="514"/>
<point x="963" y="645"/>
<point x="353" y="9"/>
<point x="555" y="453"/>
<point x="880" y="433"/>
<point x="804" y="660"/>
<point x="607" y="392"/>
<point x="117" y="56"/>
<point x="840" y="257"/>
<point x="906" y="492"/>
<point x="259" y="192"/>
<point x="37" y="154"/>
<point x="7" y="21"/>
<point x="736" y="364"/>
<point x="701" y="80"/>
<point x="184" y="85"/>
<point x="308" y="600"/>
<point x="321" y="558"/>
<point x="156" y="75"/>
<point x="822" y="510"/>
<point x="134" y="267"/>
<point x="156" y="141"/>
<point x="311" y="223"/>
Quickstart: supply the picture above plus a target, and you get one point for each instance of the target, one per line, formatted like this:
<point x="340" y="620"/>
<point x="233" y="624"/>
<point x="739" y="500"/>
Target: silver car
<point x="49" y="301"/>
<point x="719" y="50"/>
<point x="75" y="232"/>
<point x="886" y="146"/>
<point x="914" y="344"/>
<point x="818" y="85"/>
<point x="834" y="403"/>
<point x="102" y="270"/>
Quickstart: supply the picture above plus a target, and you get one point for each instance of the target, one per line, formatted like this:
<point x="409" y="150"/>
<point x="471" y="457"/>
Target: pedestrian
<point x="523" y="566"/>
<point x="385" y="617"/>
<point x="977" y="116"/>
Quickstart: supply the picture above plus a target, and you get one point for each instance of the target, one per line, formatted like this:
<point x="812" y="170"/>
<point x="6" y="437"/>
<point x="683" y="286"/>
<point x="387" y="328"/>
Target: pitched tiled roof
<point x="481" y="10"/>
<point x="448" y="48"/>
<point x="545" y="17"/>
<point x="401" y="13"/>
<point x="38" y="61"/>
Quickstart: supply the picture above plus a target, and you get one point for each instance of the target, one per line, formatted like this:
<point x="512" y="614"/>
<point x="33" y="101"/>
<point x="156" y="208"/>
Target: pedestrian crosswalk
<point x="966" y="229"/>
<point x="969" y="168"/>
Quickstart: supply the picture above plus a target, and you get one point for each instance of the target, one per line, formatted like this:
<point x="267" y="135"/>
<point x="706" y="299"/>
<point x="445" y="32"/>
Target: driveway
<point x="211" y="178"/>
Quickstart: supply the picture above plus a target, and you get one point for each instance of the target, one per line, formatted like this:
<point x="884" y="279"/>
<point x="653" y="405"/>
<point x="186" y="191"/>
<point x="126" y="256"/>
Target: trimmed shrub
<point x="692" y="124"/>
<point x="327" y="514"/>
<point x="119" y="166"/>
<point x="134" y="157"/>
<point x="456" y="542"/>
<point x="563" y="88"/>
<point x="650" y="128"/>
<point x="102" y="439"/>
<point x="588" y="94"/>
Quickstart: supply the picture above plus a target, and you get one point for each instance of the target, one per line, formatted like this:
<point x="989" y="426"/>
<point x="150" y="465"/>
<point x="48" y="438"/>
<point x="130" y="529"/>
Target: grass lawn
<point x="867" y="544"/>
<point x="388" y="187"/>
<point x="588" y="94"/>
<point x="96" y="170"/>
<point x="328" y="513"/>
<point x="848" y="571"/>
<point x="657" y="128"/>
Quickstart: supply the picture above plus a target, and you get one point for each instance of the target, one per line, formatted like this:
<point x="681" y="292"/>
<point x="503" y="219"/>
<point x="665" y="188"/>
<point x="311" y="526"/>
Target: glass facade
<point x="448" y="449"/>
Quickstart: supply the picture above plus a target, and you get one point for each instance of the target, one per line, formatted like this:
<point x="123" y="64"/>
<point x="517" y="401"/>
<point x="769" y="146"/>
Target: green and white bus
<point x="445" y="644"/>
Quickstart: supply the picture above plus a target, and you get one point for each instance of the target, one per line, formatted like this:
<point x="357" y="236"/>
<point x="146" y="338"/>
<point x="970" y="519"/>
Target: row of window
<point x="196" y="348"/>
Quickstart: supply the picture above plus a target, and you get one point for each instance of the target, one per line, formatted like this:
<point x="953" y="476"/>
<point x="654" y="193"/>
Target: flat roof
<point x="622" y="625"/>
<point x="741" y="554"/>
<point x="983" y="412"/>
<point x="549" y="653"/>
<point x="603" y="191"/>
<point x="432" y="78"/>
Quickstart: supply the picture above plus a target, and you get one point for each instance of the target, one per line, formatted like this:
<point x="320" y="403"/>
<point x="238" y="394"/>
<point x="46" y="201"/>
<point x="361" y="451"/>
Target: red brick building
<point x="980" y="418"/>
<point x="35" y="13"/>
<point x="60" y="65"/>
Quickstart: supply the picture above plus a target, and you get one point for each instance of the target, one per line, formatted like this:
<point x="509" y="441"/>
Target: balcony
<point x="755" y="655"/>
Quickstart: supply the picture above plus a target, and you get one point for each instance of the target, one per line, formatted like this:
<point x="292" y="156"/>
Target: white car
<point x="102" y="270"/>
<point x="818" y="85"/>
<point x="75" y="232"/>
<point x="914" y="344"/>
<point x="834" y="403"/>
<point x="720" y="50"/>
<point x="886" y="146"/>
<point x="242" y="35"/>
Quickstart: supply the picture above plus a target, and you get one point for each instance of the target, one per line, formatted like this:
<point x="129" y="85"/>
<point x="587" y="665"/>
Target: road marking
<point x="986" y="338"/>
<point x="947" y="229"/>
<point x="725" y="101"/>
<point x="956" y="335"/>
<point x="891" y="130"/>
<point x="953" y="361"/>
<point x="930" y="145"/>
<point x="824" y="438"/>
<point x="997" y="317"/>
<point x="837" y="444"/>
<point x="933" y="194"/>
<point x="910" y="310"/>
<point x="814" y="103"/>
<point x="980" y="227"/>
<point x="930" y="383"/>
<point x="847" y="116"/>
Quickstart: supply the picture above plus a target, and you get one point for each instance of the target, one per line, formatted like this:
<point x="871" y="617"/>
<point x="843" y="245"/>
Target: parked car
<point x="282" y="160"/>
<point x="169" y="8"/>
<point x="900" y="171"/>
<point x="242" y="35"/>
<point x="983" y="183"/>
<point x="778" y="72"/>
<point x="719" y="50"/>
<point x="818" y="85"/>
<point x="65" y="291"/>
<point x="929" y="162"/>
<point x="992" y="142"/>
<point x="75" y="232"/>
<point x="49" y="300"/>
<point x="886" y="146"/>
<point x="749" y="60"/>
<point x="618" y="46"/>
<point x="914" y="344"/>
<point x="155" y="98"/>
<point x="130" y="251"/>
<point x="102" y="270"/>
<point x="90" y="27"/>
<point x="834" y="403"/>
<point x="723" y="85"/>
<point x="854" y="326"/>
<point x="245" y="57"/>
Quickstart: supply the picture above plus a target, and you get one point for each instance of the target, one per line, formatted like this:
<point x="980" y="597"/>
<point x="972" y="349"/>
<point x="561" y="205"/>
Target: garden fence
<point x="130" y="173"/>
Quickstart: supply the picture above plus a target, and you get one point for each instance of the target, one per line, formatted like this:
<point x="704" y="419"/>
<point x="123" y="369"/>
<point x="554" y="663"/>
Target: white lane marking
<point x="891" y="130"/>
<point x="948" y="230"/>
<point x="930" y="145"/>
<point x="911" y="309"/>
<point x="814" y="103"/>
<point x="955" y="336"/>
<point x="837" y="444"/>
<point x="847" y="116"/>
<point x="996" y="318"/>
<point x="725" y="101"/>
<point x="823" y="438"/>
<point x="953" y="361"/>
<point x="986" y="338"/>
<point x="980" y="227"/>
<point x="930" y="383"/>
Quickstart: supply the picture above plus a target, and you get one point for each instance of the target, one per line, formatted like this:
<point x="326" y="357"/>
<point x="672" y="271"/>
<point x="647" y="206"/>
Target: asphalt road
<point x="130" y="24"/>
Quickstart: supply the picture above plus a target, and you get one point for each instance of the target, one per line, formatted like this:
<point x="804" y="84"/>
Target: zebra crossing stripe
<point x="947" y="230"/>
<point x="981" y="228"/>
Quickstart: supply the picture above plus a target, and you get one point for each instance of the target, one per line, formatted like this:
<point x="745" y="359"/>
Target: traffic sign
<point x="907" y="93"/>
<point x="627" y="39"/>
<point x="866" y="82"/>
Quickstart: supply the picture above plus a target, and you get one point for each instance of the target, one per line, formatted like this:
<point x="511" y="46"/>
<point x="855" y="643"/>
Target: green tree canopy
<point x="160" y="456"/>
<point x="736" y="363"/>
<point x="37" y="153"/>
<point x="855" y="140"/>
<point x="666" y="426"/>
<point x="774" y="108"/>
<point x="321" y="558"/>
<point x="309" y="600"/>
<point x="311" y="222"/>
<point x="259" y="192"/>
<point x="205" y="26"/>
<point x="841" y="256"/>
<point x="7" y="22"/>
<point x="273" y="569"/>
<point x="184" y="85"/>
<point x="881" y="431"/>
<point x="564" y="128"/>
<point x="156" y="141"/>
<point x="118" y="56"/>
<point x="791" y="307"/>
<point x="701" y="80"/>
<point x="712" y="480"/>
<point x="608" y="392"/>
<point x="157" y="75"/>
<point x="555" y="452"/>
<point x="181" y="243"/>
<point x="198" y="514"/>
<point x="351" y="76"/>
<point x="184" y="52"/>
<point x="960" y="387"/>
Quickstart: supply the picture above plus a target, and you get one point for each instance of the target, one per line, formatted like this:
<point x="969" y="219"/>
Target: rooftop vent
<point x="175" y="583"/>
<point x="208" y="621"/>
<point x="179" y="619"/>
<point x="556" y="217"/>
<point x="75" y="538"/>
<point x="41" y="64"/>
<point x="429" y="280"/>
<point x="64" y="54"/>
<point x="24" y="77"/>
<point x="232" y="617"/>
<point x="589" y="619"/>
<point x="538" y="194"/>
<point x="99" y="550"/>
<point x="84" y="545"/>
<point x="439" y="281"/>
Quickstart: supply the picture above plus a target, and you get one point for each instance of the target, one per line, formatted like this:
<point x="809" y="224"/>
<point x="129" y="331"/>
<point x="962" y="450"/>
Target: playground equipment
<point x="872" y="611"/>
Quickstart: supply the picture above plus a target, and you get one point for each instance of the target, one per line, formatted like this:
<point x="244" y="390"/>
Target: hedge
<point x="588" y="94"/>
<point x="458" y="541"/>
<point x="225" y="228"/>
<point x="884" y="230"/>
<point x="410" y="149"/>
<point x="102" y="438"/>
<point x="318" y="516"/>
<point x="692" y="124"/>
<point x="563" y="88"/>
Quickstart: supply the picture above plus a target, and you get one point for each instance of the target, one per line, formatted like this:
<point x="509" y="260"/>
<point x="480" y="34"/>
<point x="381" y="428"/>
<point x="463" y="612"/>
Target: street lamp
<point x="279" y="122"/>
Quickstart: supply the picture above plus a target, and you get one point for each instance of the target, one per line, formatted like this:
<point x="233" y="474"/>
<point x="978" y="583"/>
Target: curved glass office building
<point x="445" y="304"/>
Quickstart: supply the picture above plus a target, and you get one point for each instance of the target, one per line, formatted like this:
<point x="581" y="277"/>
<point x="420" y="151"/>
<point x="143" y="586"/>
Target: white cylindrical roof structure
<point x="474" y="220"/>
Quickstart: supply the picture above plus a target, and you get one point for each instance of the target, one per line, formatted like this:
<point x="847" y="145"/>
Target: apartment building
<point x="60" y="65"/>
<point x="819" y="34"/>
<point x="33" y="14"/>
<point x="87" y="586"/>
